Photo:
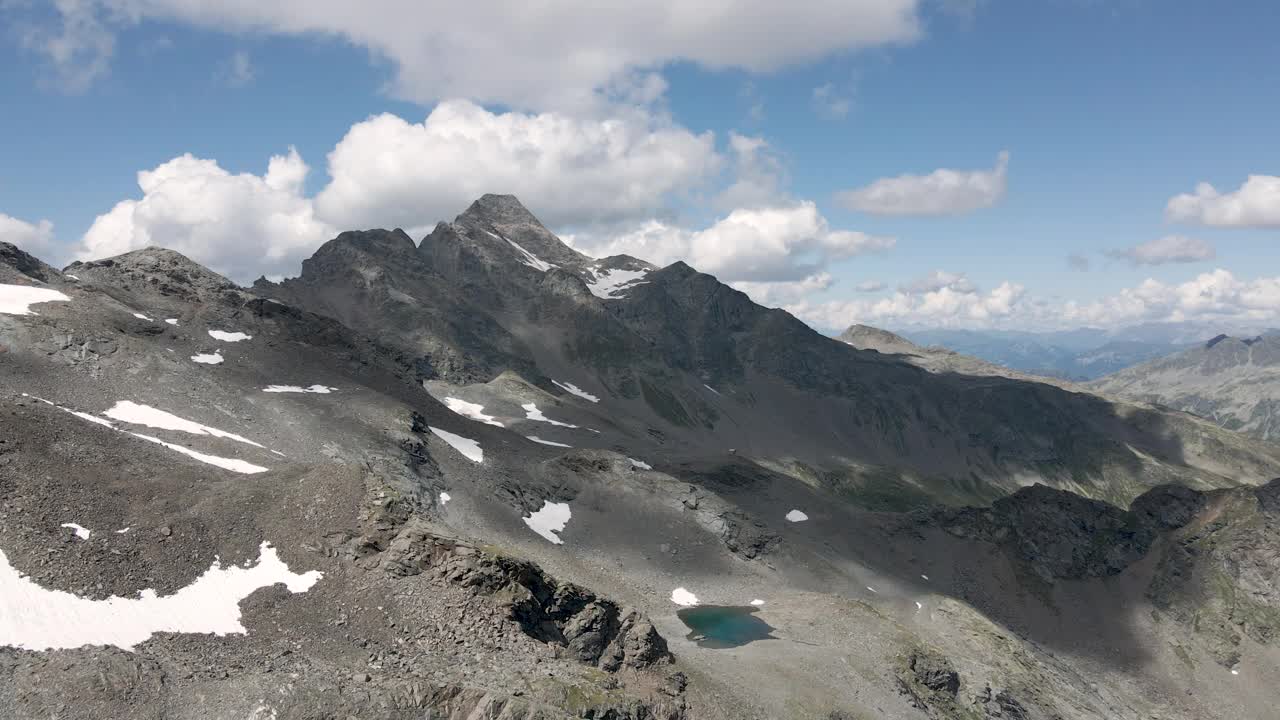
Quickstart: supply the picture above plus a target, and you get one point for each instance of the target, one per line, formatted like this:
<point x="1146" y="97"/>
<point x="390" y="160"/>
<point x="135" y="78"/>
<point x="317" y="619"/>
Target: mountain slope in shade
<point x="690" y="444"/>
<point x="1233" y="382"/>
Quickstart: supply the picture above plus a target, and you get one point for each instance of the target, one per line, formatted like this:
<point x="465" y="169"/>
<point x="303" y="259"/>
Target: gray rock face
<point x="1234" y="382"/>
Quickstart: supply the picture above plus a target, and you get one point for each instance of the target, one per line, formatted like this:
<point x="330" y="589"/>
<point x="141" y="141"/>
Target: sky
<point x="1038" y="164"/>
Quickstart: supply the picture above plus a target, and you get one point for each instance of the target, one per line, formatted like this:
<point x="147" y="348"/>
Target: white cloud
<point x="389" y="172"/>
<point x="757" y="172"/>
<point x="953" y="304"/>
<point x="79" y="50"/>
<point x="830" y="102"/>
<point x="938" y="280"/>
<point x="942" y="192"/>
<point x="555" y="53"/>
<point x="238" y="224"/>
<point x="1255" y="204"/>
<point x="36" y="239"/>
<point x="1078" y="263"/>
<point x="1217" y="296"/>
<point x="773" y="294"/>
<point x="764" y="244"/>
<point x="1168" y="249"/>
<point x="870" y="286"/>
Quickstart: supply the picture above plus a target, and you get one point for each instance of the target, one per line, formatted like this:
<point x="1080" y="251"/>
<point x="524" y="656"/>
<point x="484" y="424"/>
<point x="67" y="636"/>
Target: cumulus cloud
<point x="770" y="244"/>
<point x="388" y="171"/>
<point x="870" y="286"/>
<point x="941" y="192"/>
<point x="1217" y="296"/>
<point x="1078" y="263"/>
<point x="1165" y="250"/>
<point x="555" y="53"/>
<point x="953" y="304"/>
<point x="1256" y="203"/>
<point x="35" y="238"/>
<point x="758" y="174"/>
<point x="773" y="294"/>
<point x="238" y="224"/>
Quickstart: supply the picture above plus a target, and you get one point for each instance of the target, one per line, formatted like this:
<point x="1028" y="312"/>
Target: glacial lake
<point x="724" y="626"/>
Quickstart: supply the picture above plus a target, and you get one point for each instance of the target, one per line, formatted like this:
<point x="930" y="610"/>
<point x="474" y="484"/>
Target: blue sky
<point x="1108" y="112"/>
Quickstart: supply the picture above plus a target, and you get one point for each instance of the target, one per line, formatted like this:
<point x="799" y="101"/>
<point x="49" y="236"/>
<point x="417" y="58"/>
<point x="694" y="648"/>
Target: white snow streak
<point x="540" y="441"/>
<point x="232" y="464"/>
<point x="135" y="414"/>
<point x="225" y="336"/>
<point x="140" y="316"/>
<point x="475" y="411"/>
<point x="797" y="516"/>
<point x="614" y="283"/>
<point x="680" y="596"/>
<point x="171" y="321"/>
<point x="575" y="390"/>
<point x="81" y="532"/>
<point x="444" y="499"/>
<point x="757" y="602"/>
<point x="18" y="299"/>
<point x="318" y="389"/>
<point x="710" y="388"/>
<point x="468" y="447"/>
<point x="532" y="412"/>
<point x="640" y="464"/>
<point x="550" y="520"/>
<point x="527" y="257"/>
<point x="208" y="359"/>
<point x="36" y="618"/>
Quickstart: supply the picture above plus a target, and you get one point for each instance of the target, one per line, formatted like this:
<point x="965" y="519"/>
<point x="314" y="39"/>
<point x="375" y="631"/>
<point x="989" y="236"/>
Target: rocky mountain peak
<point x="499" y="210"/>
<point x="866" y="337"/>
<point x="14" y="260"/>
<point x="166" y="271"/>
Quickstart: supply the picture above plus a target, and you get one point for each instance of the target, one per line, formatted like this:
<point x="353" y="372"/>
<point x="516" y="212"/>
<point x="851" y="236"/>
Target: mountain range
<point x="484" y="475"/>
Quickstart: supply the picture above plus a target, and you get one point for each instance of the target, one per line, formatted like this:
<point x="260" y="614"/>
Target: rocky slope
<point x="450" y="479"/>
<point x="1234" y="382"/>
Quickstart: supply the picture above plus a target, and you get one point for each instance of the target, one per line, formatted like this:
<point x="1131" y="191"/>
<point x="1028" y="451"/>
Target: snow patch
<point x="540" y="441"/>
<point x="873" y="590"/>
<point x="532" y="412"/>
<point x="550" y="520"/>
<point x="527" y="257"/>
<point x="471" y="410"/>
<point x="214" y="358"/>
<point x="575" y="390"/>
<point x="924" y="577"/>
<point x="36" y="618"/>
<point x="318" y="389"/>
<point x="468" y="447"/>
<point x="73" y="277"/>
<point x="640" y="464"/>
<point x="140" y="316"/>
<point x="614" y="283"/>
<point x="81" y="532"/>
<point x="710" y="388"/>
<point x="757" y="602"/>
<point x="122" y="531"/>
<point x="919" y="606"/>
<point x="797" y="516"/>
<point x="444" y="499"/>
<point x="225" y="336"/>
<point x="680" y="596"/>
<point x="135" y="414"/>
<point x="171" y="321"/>
<point x="232" y="464"/>
<point x="18" y="299"/>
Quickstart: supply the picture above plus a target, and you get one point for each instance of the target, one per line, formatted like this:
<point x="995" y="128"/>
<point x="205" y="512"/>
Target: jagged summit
<point x="15" y="261"/>
<point x="168" y="271"/>
<point x="499" y="209"/>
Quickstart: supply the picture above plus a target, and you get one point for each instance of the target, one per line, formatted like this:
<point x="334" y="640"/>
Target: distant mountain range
<point x="1234" y="382"/>
<point x="1081" y="354"/>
